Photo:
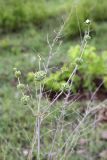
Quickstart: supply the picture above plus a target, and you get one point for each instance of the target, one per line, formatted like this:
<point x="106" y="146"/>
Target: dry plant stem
<point x="61" y="118"/>
<point x="88" y="112"/>
<point x="83" y="46"/>
<point x="68" y="103"/>
<point x="93" y="95"/>
<point x="51" y="53"/>
<point x="34" y="138"/>
<point x="75" y="138"/>
<point x="39" y="123"/>
<point x="91" y="110"/>
<point x="84" y="43"/>
<point x="38" y="133"/>
<point x="33" y="143"/>
<point x="55" y="40"/>
<point x="72" y="74"/>
<point x="65" y="103"/>
<point x="60" y="121"/>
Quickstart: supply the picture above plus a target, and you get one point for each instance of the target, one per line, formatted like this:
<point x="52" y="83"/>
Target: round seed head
<point x="79" y="61"/>
<point x="39" y="76"/>
<point x="21" y="86"/>
<point x="17" y="74"/>
<point x="25" y="99"/>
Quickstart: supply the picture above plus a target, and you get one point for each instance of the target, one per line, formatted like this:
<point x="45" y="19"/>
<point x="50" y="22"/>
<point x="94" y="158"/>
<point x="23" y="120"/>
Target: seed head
<point x="17" y="74"/>
<point x="39" y="76"/>
<point x="21" y="86"/>
<point x="79" y="61"/>
<point x="25" y="99"/>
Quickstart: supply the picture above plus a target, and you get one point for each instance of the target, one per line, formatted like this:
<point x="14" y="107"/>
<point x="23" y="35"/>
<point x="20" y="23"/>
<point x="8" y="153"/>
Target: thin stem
<point x="39" y="123"/>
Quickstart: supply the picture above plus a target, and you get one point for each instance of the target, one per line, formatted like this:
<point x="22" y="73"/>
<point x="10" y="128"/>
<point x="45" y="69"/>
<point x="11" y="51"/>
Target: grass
<point x="99" y="39"/>
<point x="13" y="135"/>
<point x="20" y="49"/>
<point x="27" y="45"/>
<point x="94" y="10"/>
<point x="15" y="15"/>
<point x="16" y="129"/>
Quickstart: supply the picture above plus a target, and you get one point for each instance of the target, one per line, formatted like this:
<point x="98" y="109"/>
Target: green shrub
<point x="93" y="67"/>
<point x="20" y="13"/>
<point x="56" y="80"/>
<point x="16" y="14"/>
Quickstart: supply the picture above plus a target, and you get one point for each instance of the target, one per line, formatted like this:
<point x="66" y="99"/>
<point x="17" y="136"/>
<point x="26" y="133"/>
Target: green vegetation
<point x="24" y="25"/>
<point x="17" y="14"/>
<point x="95" y="10"/>
<point x="93" y="67"/>
<point x="20" y="14"/>
<point x="16" y="131"/>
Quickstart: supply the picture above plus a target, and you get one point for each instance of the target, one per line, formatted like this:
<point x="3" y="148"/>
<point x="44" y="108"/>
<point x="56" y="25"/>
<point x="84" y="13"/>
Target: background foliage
<point x="24" y="26"/>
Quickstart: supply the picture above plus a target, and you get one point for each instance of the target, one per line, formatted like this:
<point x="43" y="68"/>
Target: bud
<point x="79" y="61"/>
<point x="39" y="76"/>
<point x="87" y="22"/>
<point x="25" y="99"/>
<point x="17" y="74"/>
<point x="21" y="86"/>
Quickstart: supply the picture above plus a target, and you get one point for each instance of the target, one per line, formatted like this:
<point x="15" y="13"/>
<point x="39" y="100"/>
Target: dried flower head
<point x="78" y="61"/>
<point x="25" y="99"/>
<point x="17" y="74"/>
<point x="39" y="76"/>
<point x="21" y="86"/>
